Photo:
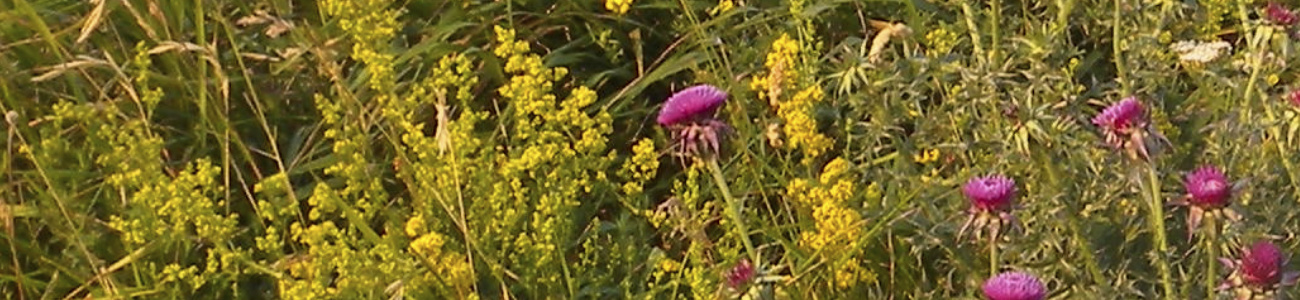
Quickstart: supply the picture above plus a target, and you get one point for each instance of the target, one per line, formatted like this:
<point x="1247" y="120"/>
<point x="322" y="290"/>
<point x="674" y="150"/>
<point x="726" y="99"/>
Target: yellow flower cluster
<point x="800" y="127"/>
<point x="927" y="156"/>
<point x="837" y="224"/>
<point x="784" y="73"/>
<point x="553" y="153"/>
<point x="618" y="6"/>
<point x="641" y="168"/>
<point x="940" y="41"/>
<point x="351" y="260"/>
<point x="372" y="26"/>
<point x="450" y="268"/>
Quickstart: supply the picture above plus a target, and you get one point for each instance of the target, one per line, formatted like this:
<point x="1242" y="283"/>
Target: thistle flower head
<point x="1121" y="116"/>
<point x="691" y="104"/>
<point x="1261" y="264"/>
<point x="1124" y="125"/>
<point x="740" y="274"/>
<point x="1261" y="270"/>
<point x="990" y="193"/>
<point x="1014" y="286"/>
<point x="1279" y="14"/>
<point x="1208" y="188"/>
<point x="689" y="115"/>
<point x="1208" y="195"/>
<point x="991" y="199"/>
<point x="1294" y="98"/>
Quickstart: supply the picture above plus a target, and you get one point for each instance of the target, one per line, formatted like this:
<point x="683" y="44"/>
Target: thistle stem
<point x="996" y="40"/>
<point x="1209" y="244"/>
<point x="733" y="209"/>
<point x="1155" y="207"/>
<point x="993" y="255"/>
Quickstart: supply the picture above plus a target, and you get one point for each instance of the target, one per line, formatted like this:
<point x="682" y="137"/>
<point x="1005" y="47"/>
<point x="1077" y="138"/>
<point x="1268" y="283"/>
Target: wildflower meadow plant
<point x="1208" y="195"/>
<point x="380" y="149"/>
<point x="696" y="134"/>
<point x="689" y="115"/>
<point x="1259" y="271"/>
<point x="1014" y="285"/>
<point x="1124" y="125"/>
<point x="1279" y="14"/>
<point x="1293" y="98"/>
<point x="991" y="201"/>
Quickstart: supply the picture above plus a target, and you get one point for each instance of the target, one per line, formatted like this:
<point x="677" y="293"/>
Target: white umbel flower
<point x="1200" y="52"/>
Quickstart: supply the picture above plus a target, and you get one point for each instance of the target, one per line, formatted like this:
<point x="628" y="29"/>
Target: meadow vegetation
<point x="649" y="149"/>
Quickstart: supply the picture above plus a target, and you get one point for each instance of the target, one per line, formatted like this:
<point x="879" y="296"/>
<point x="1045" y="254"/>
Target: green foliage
<point x="363" y="149"/>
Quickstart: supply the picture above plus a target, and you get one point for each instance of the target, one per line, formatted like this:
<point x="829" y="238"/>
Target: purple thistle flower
<point x="1279" y="14"/>
<point x="1124" y="125"/>
<point x="1014" y="286"/>
<point x="689" y="115"/>
<point x="990" y="193"/>
<point x="991" y="201"/>
<point x="1208" y="194"/>
<point x="692" y="104"/>
<point x="1261" y="269"/>
<point x="740" y="274"/>
<point x="1294" y="98"/>
<point x="1261" y="264"/>
<point x="1122" y="116"/>
<point x="1208" y="188"/>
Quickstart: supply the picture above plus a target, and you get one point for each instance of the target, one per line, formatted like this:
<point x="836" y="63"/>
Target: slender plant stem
<point x="1117" y="48"/>
<point x="995" y="31"/>
<point x="1155" y="206"/>
<point x="733" y="209"/>
<point x="993" y="255"/>
<point x="1210" y="245"/>
<point x="974" y="29"/>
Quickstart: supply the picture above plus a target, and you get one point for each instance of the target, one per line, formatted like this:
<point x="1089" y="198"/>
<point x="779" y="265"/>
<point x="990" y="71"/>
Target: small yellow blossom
<point x="722" y="7"/>
<point x="415" y="226"/>
<point x="927" y="156"/>
<point x="618" y="6"/>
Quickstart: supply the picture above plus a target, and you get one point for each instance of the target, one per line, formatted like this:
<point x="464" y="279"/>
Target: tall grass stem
<point x="1156" y="218"/>
<point x="733" y="208"/>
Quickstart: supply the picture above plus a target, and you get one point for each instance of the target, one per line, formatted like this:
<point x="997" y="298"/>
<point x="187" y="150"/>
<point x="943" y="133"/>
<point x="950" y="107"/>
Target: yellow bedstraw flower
<point x="784" y="74"/>
<point x="619" y="7"/>
<point x="723" y="7"/>
<point x="837" y="225"/>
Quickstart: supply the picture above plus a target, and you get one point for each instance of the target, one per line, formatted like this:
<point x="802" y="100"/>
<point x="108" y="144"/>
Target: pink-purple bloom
<point x="991" y="199"/>
<point x="1124" y="125"/>
<point x="1208" y="188"/>
<point x="1260" y="269"/>
<point x="990" y="193"/>
<point x="1294" y="98"/>
<point x="1261" y="264"/>
<point x="1208" y="195"/>
<point x="1014" y="286"/>
<point x="1122" y="116"/>
<point x="689" y="115"/>
<point x="740" y="274"/>
<point x="692" y="104"/>
<point x="1279" y="14"/>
